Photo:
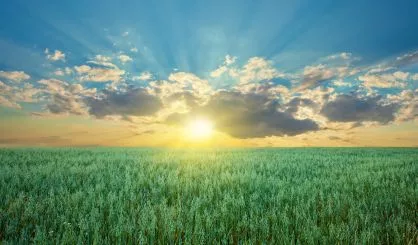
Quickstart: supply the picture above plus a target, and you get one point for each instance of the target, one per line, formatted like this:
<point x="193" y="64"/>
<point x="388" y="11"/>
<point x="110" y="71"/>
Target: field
<point x="278" y="196"/>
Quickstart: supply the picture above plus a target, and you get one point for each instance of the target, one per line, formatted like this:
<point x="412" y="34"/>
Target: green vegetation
<point x="279" y="196"/>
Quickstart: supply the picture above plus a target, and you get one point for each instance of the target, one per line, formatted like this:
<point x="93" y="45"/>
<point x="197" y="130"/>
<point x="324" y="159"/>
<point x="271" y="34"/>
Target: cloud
<point x="229" y="60"/>
<point x="124" y="58"/>
<point x="352" y="108"/>
<point x="313" y="75"/>
<point x="125" y="34"/>
<point x="258" y="69"/>
<point x="66" y="98"/>
<point x="396" y="79"/>
<point x="11" y="95"/>
<point x="99" y="74"/>
<point x="343" y="56"/>
<point x="15" y="76"/>
<point x="56" y="56"/>
<point x="134" y="50"/>
<point x="408" y="100"/>
<point x="135" y="102"/>
<point x="144" y="76"/>
<point x="191" y="82"/>
<point x="62" y="72"/>
<point x="218" y="72"/>
<point x="406" y="59"/>
<point x="102" y="58"/>
<point x="341" y="83"/>
<point x="247" y="116"/>
<point x="7" y="103"/>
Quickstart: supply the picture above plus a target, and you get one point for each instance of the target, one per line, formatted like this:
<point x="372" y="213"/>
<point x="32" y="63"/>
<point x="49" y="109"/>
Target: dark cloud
<point x="135" y="102"/>
<point x="66" y="103"/>
<point x="351" y="108"/>
<point x="294" y="104"/>
<point x="248" y="116"/>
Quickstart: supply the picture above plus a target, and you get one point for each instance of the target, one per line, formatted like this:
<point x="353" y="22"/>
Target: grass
<point x="278" y="196"/>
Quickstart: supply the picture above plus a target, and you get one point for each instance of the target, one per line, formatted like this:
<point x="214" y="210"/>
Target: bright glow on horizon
<point x="199" y="129"/>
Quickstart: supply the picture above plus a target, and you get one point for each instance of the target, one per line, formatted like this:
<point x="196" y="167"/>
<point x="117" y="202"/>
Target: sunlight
<point x="199" y="129"/>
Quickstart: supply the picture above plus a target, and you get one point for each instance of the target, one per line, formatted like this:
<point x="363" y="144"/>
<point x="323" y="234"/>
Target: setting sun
<point x="200" y="129"/>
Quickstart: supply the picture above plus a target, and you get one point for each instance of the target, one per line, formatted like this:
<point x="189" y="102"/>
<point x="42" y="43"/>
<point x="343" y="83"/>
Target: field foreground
<point x="280" y="196"/>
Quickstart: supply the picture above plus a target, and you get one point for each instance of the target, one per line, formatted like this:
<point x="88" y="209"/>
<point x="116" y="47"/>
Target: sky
<point x="263" y="73"/>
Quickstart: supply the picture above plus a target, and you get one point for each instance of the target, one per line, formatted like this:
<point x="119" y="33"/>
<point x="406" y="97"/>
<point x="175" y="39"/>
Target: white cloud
<point x="396" y="79"/>
<point x="59" y="72"/>
<point x="102" y="58"/>
<point x="229" y="60"/>
<point x="57" y="55"/>
<point x="124" y="58"/>
<point x="15" y="76"/>
<point x="125" y="34"/>
<point x="415" y="77"/>
<point x="98" y="74"/>
<point x="343" y="56"/>
<point x="258" y="69"/>
<point x="144" y="76"/>
<point x="341" y="83"/>
<point x="134" y="50"/>
<point x="218" y="72"/>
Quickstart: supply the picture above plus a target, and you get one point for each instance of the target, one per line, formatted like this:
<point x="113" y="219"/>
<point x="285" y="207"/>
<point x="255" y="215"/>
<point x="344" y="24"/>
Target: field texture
<point x="279" y="196"/>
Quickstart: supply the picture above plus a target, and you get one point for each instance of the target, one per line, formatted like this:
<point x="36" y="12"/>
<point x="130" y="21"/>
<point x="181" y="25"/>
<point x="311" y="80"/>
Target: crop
<point x="278" y="196"/>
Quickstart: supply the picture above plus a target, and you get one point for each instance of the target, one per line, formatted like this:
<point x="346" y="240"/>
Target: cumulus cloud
<point x="15" y="76"/>
<point x="65" y="98"/>
<point x="191" y="82"/>
<point x="124" y="58"/>
<point x="135" y="102"/>
<point x="144" y="76"/>
<point x="353" y="108"/>
<point x="247" y="116"/>
<point x="258" y="69"/>
<point x="134" y="50"/>
<point x="55" y="56"/>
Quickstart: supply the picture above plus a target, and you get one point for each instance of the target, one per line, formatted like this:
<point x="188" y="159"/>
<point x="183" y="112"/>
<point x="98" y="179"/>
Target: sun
<point x="199" y="129"/>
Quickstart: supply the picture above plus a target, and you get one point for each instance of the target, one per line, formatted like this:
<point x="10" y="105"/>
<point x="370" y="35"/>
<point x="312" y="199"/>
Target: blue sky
<point x="348" y="46"/>
<point x="194" y="36"/>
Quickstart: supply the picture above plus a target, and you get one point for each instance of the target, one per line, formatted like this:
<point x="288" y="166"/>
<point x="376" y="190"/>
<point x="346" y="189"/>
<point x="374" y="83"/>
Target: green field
<point x="279" y="196"/>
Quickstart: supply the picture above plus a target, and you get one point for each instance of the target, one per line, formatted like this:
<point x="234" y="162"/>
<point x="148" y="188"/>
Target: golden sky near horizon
<point x="76" y="131"/>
